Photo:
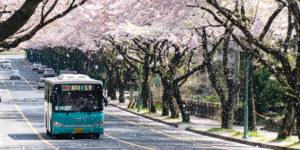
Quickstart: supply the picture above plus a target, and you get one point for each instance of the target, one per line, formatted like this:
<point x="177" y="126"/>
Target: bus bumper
<point x="72" y="130"/>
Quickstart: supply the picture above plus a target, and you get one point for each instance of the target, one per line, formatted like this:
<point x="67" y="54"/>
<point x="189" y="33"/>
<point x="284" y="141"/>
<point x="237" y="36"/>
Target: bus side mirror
<point x="51" y="98"/>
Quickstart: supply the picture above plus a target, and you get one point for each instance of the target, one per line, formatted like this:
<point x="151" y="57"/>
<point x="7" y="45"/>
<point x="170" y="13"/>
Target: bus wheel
<point x="53" y="136"/>
<point x="96" y="135"/>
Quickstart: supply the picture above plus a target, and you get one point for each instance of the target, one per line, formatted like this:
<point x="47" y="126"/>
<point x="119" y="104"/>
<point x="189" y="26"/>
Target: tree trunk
<point x="297" y="101"/>
<point x="145" y="86"/>
<point x="18" y="19"/>
<point x="297" y="117"/>
<point x="168" y="100"/>
<point x="174" y="112"/>
<point x="181" y="104"/>
<point x="153" y="108"/>
<point x="288" y="122"/>
<point x="121" y="94"/>
<point x="112" y="92"/>
<point x="165" y="111"/>
<point x="227" y="115"/>
<point x="251" y="104"/>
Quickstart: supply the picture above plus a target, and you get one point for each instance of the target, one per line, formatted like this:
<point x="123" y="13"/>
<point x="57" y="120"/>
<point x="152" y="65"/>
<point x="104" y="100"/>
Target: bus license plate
<point x="78" y="130"/>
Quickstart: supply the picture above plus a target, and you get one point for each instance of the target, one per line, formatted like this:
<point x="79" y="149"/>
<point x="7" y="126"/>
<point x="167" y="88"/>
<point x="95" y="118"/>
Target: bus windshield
<point x="75" y="101"/>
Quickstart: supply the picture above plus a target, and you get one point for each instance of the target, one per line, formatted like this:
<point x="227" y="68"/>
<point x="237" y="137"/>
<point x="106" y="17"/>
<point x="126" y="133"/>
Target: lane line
<point x="164" y="133"/>
<point x="33" y="129"/>
<point x="24" y="77"/>
<point x="127" y="142"/>
<point x="55" y="147"/>
<point x="28" y="84"/>
<point x="28" y="67"/>
<point x="9" y="96"/>
<point x="26" y="120"/>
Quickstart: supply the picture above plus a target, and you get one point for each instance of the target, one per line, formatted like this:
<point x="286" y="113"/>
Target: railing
<point x="204" y="109"/>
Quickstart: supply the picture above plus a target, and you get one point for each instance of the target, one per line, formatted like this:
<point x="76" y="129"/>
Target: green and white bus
<point x="74" y="105"/>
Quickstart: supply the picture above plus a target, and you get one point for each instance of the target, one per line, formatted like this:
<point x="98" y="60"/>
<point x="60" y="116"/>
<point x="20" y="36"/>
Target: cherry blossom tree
<point x="22" y="24"/>
<point x="264" y="33"/>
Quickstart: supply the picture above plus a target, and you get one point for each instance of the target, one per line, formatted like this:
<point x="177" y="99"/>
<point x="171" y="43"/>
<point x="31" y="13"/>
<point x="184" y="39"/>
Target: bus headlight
<point x="56" y="124"/>
<point x="99" y="124"/>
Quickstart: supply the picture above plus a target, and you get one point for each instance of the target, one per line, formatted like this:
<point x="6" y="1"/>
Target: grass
<point x="169" y="118"/>
<point x="250" y="134"/>
<point x="253" y="134"/>
<point x="265" y="139"/>
<point x="238" y="133"/>
<point x="13" y="52"/>
<point x="158" y="107"/>
<point x="141" y="109"/>
<point x="294" y="144"/>
<point x="288" y="139"/>
<point x="220" y="130"/>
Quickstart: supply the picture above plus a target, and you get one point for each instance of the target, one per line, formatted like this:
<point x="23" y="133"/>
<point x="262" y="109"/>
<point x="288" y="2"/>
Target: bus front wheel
<point x="53" y="136"/>
<point x="96" y="135"/>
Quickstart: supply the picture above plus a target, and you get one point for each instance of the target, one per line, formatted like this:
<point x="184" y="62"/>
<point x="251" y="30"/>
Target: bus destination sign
<point x="77" y="87"/>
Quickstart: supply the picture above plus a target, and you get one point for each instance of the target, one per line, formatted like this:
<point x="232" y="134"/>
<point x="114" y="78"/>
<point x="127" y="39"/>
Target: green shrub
<point x="212" y="99"/>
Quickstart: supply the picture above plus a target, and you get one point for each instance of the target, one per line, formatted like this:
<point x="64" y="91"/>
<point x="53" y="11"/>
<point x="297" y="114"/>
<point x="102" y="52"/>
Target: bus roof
<point x="73" y="79"/>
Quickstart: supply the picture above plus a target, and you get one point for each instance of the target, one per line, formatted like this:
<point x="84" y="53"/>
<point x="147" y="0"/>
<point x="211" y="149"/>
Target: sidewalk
<point x="202" y="125"/>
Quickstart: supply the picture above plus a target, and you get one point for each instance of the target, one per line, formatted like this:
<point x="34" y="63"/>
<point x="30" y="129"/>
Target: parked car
<point x="41" y="82"/>
<point x="42" y="69"/>
<point x="1" y="61"/>
<point x="49" y="72"/>
<point x="36" y="66"/>
<point x="6" y="64"/>
<point x="15" y="74"/>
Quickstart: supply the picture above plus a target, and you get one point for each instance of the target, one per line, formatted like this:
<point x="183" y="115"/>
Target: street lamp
<point x="139" y="100"/>
<point x="246" y="100"/>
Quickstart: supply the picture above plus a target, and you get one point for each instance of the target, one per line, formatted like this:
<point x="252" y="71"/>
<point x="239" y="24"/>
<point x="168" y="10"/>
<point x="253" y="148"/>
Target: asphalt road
<point x="22" y="126"/>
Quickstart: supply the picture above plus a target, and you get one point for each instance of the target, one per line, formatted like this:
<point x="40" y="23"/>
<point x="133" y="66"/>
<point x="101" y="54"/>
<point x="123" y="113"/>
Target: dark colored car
<point x="42" y="69"/>
<point x="36" y="66"/>
<point x="49" y="72"/>
<point x="41" y="82"/>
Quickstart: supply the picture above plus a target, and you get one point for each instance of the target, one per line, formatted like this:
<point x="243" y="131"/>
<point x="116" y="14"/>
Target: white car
<point x="1" y="61"/>
<point x="15" y="74"/>
<point x="6" y="64"/>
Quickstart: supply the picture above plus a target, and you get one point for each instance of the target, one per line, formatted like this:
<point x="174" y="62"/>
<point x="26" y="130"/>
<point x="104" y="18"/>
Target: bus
<point x="73" y="104"/>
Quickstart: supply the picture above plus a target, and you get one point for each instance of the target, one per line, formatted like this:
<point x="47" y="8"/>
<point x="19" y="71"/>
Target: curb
<point x="148" y="117"/>
<point x="256" y="144"/>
